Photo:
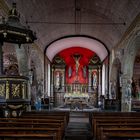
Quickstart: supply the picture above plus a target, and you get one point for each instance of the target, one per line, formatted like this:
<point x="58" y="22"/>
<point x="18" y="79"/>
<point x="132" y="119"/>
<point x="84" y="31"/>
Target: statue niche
<point x="58" y="74"/>
<point x="58" y="80"/>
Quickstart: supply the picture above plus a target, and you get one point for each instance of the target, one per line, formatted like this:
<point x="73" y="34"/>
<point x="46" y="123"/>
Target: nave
<point x="69" y="69"/>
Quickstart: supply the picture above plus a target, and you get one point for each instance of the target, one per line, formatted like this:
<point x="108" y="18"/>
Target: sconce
<point x="5" y="34"/>
<point x="27" y="38"/>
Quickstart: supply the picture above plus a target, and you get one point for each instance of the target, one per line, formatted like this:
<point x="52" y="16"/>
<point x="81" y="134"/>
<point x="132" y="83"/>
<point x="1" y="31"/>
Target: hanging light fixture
<point x="12" y="31"/>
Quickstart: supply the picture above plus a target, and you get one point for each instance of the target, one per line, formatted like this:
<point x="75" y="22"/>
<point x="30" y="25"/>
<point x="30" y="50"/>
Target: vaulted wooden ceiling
<point x="105" y="20"/>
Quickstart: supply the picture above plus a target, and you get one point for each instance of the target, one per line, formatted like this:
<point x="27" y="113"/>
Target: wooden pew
<point x="114" y="119"/>
<point x="33" y="123"/>
<point x="32" y="120"/>
<point x="49" y="114"/>
<point x="43" y="121"/>
<point x="33" y="136"/>
<point x="61" y="118"/>
<point x="46" y="113"/>
<point x="28" y="130"/>
<point x="114" y="126"/>
<point x="120" y="132"/>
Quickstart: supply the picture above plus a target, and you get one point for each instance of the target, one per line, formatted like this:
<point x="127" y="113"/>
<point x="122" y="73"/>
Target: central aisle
<point x="78" y="127"/>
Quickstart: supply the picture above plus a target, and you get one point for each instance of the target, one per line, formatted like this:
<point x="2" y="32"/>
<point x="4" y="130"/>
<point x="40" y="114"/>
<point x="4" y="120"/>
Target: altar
<point x="76" y="83"/>
<point x="76" y="100"/>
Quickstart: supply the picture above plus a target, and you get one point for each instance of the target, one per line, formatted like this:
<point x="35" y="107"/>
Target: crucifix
<point x="77" y="64"/>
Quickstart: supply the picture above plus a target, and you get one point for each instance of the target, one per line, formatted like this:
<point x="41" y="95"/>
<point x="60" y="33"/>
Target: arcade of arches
<point x="73" y="71"/>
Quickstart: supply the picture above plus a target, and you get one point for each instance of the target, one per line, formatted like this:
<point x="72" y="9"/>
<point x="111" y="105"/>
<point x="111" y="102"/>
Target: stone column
<point x="99" y="82"/>
<point x="23" y="62"/>
<point x="89" y="80"/>
<point x="22" y="58"/>
<point x="63" y="80"/>
<point x="126" y="94"/>
<point x="52" y="82"/>
<point x="1" y="59"/>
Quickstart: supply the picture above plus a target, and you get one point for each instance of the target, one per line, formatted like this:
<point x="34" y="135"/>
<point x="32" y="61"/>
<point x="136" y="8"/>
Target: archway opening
<point x="76" y="69"/>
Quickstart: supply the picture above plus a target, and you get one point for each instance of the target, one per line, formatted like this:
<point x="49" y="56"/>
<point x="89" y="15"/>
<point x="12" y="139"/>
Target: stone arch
<point x="81" y="41"/>
<point x="131" y="48"/>
<point x="72" y="41"/>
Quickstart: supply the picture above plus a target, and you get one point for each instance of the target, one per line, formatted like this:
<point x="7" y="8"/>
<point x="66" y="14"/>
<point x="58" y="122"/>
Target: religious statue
<point x="58" y="80"/>
<point x="128" y="91"/>
<point x="84" y="71"/>
<point x="113" y="90"/>
<point x="127" y="96"/>
<point x="40" y="88"/>
<point x="69" y="71"/>
<point x="94" y="80"/>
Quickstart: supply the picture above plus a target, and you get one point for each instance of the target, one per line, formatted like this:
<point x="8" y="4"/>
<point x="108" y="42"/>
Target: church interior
<point x="70" y="69"/>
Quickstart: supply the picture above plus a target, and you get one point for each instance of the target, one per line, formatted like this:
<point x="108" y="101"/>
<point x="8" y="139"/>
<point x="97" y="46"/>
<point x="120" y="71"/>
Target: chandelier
<point x="12" y="31"/>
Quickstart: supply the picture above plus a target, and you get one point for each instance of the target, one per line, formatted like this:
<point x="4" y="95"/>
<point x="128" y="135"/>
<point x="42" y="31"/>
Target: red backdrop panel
<point x="67" y="55"/>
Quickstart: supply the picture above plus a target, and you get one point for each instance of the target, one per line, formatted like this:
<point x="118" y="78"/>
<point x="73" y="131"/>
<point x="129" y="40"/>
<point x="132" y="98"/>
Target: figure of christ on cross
<point x="76" y="58"/>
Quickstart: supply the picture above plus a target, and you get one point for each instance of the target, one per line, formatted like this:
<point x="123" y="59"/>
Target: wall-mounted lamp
<point x="4" y="34"/>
